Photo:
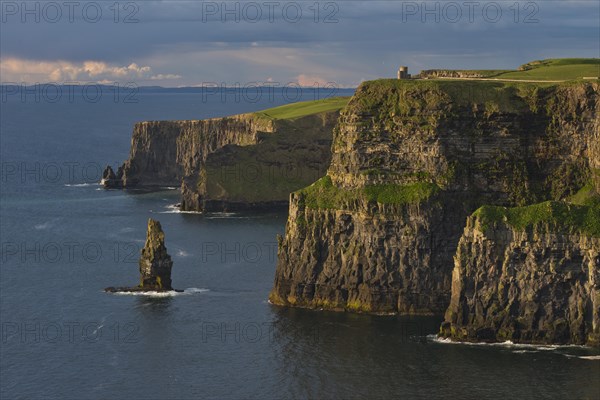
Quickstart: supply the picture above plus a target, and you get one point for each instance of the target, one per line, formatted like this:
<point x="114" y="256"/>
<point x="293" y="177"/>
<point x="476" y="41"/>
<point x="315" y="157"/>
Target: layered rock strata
<point x="534" y="284"/>
<point x="411" y="161"/>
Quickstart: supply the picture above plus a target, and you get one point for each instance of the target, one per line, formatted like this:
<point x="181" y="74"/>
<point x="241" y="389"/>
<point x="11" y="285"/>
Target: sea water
<point x="64" y="239"/>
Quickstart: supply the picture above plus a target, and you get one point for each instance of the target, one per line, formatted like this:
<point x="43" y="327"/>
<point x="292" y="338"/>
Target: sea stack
<point x="155" y="264"/>
<point x="110" y="179"/>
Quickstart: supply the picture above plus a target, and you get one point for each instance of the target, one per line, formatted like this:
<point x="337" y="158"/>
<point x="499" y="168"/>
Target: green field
<point x="558" y="69"/>
<point x="304" y="108"/>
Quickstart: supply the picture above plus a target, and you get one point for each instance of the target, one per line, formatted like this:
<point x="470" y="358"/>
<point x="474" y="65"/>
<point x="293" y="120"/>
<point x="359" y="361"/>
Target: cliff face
<point x="263" y="175"/>
<point x="366" y="256"/>
<point x="164" y="152"/>
<point x="411" y="161"/>
<point x="240" y="162"/>
<point x="538" y="285"/>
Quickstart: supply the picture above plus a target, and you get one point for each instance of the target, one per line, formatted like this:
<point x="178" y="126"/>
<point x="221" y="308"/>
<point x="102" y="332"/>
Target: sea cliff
<point x="248" y="161"/>
<point x="164" y="152"/>
<point x="411" y="160"/>
<point x="529" y="274"/>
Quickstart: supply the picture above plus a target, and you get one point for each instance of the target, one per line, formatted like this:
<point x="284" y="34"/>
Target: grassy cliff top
<point x="436" y="97"/>
<point x="304" y="108"/>
<point x="557" y="69"/>
<point x="323" y="194"/>
<point x="431" y="96"/>
<point x="578" y="213"/>
<point x="563" y="216"/>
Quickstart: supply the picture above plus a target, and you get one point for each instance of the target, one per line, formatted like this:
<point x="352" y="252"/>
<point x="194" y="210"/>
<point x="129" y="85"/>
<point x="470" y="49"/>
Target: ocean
<point x="64" y="239"/>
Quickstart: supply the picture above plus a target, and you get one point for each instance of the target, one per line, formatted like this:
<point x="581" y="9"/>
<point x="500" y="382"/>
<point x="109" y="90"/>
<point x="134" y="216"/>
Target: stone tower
<point x="403" y="72"/>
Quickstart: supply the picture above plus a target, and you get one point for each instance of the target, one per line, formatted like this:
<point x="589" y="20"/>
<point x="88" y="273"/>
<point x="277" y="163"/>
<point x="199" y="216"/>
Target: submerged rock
<point x="155" y="263"/>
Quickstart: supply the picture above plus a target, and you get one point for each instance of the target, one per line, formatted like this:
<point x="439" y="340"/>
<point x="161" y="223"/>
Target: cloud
<point x="34" y="71"/>
<point x="368" y="40"/>
<point x="161" y="77"/>
<point x="311" y="80"/>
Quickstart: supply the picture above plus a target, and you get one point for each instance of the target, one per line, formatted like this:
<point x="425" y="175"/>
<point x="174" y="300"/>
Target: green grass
<point x="562" y="216"/>
<point x="585" y="196"/>
<point x="558" y="69"/>
<point x="292" y="157"/>
<point x="488" y="73"/>
<point x="555" y="72"/>
<point x="323" y="194"/>
<point x="304" y="108"/>
<point x="426" y="101"/>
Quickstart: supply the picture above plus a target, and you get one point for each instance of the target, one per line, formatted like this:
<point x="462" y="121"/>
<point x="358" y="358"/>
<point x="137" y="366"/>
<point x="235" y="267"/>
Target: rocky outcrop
<point x="535" y="284"/>
<point x="112" y="180"/>
<point x="155" y="263"/>
<point x="411" y="161"/>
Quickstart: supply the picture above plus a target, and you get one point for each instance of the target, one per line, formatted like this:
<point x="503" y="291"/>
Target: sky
<point x="174" y="43"/>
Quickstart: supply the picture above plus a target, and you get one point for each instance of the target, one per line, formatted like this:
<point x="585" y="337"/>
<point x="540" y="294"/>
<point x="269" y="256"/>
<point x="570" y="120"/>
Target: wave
<point x="220" y="215"/>
<point x="43" y="226"/>
<point x="589" y="357"/>
<point x="81" y="184"/>
<point x="174" y="209"/>
<point x="525" y="347"/>
<point x="195" y="290"/>
<point x="172" y="293"/>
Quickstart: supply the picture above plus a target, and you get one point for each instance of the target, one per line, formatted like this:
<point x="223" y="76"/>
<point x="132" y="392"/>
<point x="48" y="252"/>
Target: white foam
<point x="219" y="215"/>
<point x="172" y="293"/>
<point x="182" y="253"/>
<point x="43" y="226"/>
<point x="507" y="344"/>
<point x="81" y="184"/>
<point x="524" y="351"/>
<point x="195" y="290"/>
<point x="589" y="357"/>
<point x="173" y="209"/>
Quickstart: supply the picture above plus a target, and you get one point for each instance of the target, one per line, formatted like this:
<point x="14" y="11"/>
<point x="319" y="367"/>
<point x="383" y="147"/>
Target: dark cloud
<point x="360" y="39"/>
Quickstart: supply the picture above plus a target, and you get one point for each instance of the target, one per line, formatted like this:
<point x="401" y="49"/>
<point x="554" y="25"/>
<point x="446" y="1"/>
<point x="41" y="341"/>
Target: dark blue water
<point x="64" y="240"/>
